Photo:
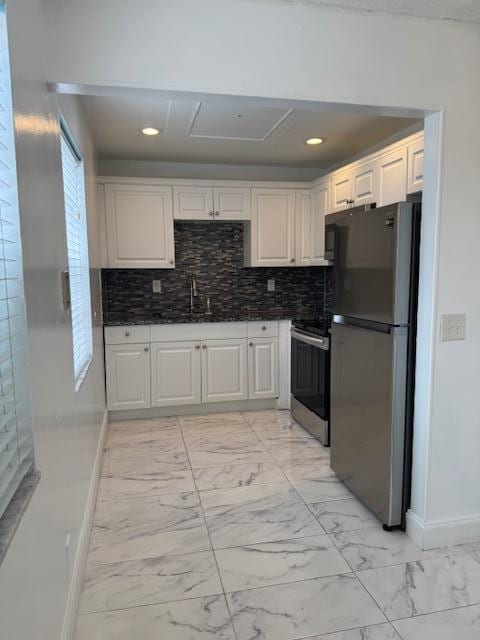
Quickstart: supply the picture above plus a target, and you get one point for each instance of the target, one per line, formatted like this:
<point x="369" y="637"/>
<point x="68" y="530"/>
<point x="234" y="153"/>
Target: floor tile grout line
<point x="212" y="549"/>
<point x="401" y="564"/>
<point x="284" y="584"/>
<point x="430" y="613"/>
<point x="151" y="604"/>
<point x="322" y="635"/>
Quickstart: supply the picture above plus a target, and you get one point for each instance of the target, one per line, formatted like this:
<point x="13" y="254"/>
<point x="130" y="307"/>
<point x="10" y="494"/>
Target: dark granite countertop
<point x="269" y="314"/>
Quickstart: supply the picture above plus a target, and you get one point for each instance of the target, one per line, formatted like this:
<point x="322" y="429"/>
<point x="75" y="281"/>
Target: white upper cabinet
<point x="193" y="203"/>
<point x="392" y="177"/>
<point x="415" y="166"/>
<point x="365" y="183"/>
<point x="303" y="223"/>
<point x="139" y="224"/>
<point x="211" y="203"/>
<point x="287" y="225"/>
<point x="224" y="370"/>
<point x="272" y="228"/>
<point x="320" y="207"/>
<point x="176" y="373"/>
<point x="231" y="203"/>
<point x="342" y="190"/>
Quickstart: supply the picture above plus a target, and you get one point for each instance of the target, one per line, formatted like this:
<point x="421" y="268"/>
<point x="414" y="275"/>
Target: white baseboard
<point x="443" y="533"/>
<point x="69" y="620"/>
<point x="194" y="409"/>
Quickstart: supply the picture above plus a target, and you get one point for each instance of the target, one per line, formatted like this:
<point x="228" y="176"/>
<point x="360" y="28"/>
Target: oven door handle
<point x="320" y="343"/>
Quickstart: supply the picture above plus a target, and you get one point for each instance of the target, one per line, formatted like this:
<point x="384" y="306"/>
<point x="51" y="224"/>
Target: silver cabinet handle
<point x="211" y="213"/>
<point x="264" y="328"/>
<point x="204" y="346"/>
<point x="197" y="346"/>
<point x="171" y="261"/>
<point x="127" y="334"/>
<point x="251" y="344"/>
<point x="217" y="213"/>
<point x="292" y="260"/>
<point x="145" y="349"/>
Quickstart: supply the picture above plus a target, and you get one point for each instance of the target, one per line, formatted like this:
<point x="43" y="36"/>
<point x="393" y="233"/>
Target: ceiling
<point x="464" y="10"/>
<point x="232" y="132"/>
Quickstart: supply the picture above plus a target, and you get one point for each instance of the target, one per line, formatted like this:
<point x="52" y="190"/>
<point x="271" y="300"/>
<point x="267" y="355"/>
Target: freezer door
<point x="368" y="389"/>
<point x="372" y="264"/>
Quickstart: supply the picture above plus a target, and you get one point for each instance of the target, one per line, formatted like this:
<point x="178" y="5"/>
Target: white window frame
<point x="76" y="228"/>
<point x="16" y="434"/>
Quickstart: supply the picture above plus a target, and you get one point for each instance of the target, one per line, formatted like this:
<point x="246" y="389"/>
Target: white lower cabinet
<point x="176" y="373"/>
<point x="262" y="368"/>
<point x="128" y="376"/>
<point x="224" y="370"/>
<point x="188" y="365"/>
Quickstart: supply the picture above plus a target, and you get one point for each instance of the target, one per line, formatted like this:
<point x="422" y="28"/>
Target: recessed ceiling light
<point x="150" y="131"/>
<point x="313" y="141"/>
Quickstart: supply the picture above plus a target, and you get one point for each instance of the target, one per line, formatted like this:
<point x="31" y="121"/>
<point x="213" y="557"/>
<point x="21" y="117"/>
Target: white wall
<point x="36" y="573"/>
<point x="299" y="51"/>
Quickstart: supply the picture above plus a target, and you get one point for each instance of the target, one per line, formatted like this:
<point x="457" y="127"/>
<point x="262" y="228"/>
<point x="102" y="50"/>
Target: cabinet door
<point x="176" y="373"/>
<point x="231" y="203"/>
<point x="139" y="226"/>
<point x="303" y="241"/>
<point x="415" y="167"/>
<point x="128" y="376"/>
<point x="393" y="177"/>
<point x="320" y="208"/>
<point x="342" y="191"/>
<point x="192" y="203"/>
<point x="273" y="228"/>
<point x="365" y="183"/>
<point x="224" y="370"/>
<point x="262" y="368"/>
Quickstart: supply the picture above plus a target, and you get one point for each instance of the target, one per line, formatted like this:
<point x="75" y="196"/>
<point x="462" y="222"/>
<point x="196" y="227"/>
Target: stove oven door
<point x="310" y="372"/>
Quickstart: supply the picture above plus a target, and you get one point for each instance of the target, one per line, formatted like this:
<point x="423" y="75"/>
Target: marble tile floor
<point x="234" y="527"/>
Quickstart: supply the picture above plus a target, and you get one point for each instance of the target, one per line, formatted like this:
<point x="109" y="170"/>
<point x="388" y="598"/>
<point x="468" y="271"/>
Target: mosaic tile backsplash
<point x="213" y="253"/>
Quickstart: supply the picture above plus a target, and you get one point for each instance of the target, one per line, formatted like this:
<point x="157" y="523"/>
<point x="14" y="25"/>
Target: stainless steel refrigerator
<point x="375" y="253"/>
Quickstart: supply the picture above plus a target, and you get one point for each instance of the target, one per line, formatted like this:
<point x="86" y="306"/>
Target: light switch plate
<point x="453" y="327"/>
<point x="157" y="286"/>
<point x="271" y="285"/>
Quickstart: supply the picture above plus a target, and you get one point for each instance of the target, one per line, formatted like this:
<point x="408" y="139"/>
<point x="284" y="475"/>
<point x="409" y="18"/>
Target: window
<point x="16" y="437"/>
<point x="77" y="249"/>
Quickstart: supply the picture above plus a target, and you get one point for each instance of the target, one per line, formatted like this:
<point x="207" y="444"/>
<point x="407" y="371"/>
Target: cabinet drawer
<point x="200" y="331"/>
<point x="263" y="329"/>
<point x="125" y="335"/>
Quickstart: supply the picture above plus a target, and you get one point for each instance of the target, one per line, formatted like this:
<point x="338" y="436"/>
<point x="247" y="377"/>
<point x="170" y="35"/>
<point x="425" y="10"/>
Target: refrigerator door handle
<point x="380" y="327"/>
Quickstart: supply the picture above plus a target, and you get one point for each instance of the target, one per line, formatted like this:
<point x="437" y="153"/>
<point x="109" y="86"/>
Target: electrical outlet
<point x="453" y="327"/>
<point x="271" y="285"/>
<point x="157" y="286"/>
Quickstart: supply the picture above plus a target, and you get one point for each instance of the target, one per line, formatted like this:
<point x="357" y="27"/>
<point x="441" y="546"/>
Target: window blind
<point x="77" y="248"/>
<point x="16" y="437"/>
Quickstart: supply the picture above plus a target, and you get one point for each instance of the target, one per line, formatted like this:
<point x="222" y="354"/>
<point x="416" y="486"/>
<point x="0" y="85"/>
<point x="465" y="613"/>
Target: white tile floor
<point x="233" y="527"/>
